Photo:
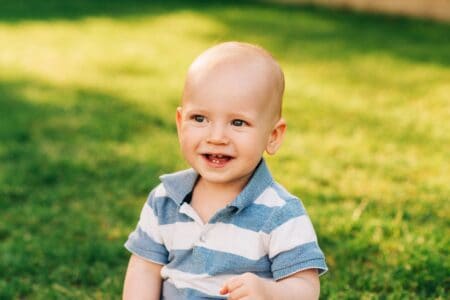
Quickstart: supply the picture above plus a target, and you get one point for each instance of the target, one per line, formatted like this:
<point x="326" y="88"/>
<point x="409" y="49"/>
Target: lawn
<point x="88" y="91"/>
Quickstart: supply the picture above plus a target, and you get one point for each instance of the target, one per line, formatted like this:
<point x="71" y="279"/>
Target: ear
<point x="276" y="137"/>
<point x="179" y="117"/>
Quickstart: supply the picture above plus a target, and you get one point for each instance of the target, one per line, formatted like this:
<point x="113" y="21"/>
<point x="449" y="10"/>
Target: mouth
<point x="217" y="160"/>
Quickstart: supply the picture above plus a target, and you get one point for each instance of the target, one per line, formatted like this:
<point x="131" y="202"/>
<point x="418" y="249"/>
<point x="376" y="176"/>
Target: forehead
<point x="230" y="87"/>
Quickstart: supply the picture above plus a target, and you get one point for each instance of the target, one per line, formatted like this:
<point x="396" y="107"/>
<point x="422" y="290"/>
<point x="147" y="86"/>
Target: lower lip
<point x="217" y="163"/>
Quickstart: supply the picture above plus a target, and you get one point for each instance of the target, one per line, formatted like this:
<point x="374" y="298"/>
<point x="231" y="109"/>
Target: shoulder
<point x="285" y="206"/>
<point x="277" y="197"/>
<point x="157" y="195"/>
<point x="163" y="207"/>
<point x="161" y="203"/>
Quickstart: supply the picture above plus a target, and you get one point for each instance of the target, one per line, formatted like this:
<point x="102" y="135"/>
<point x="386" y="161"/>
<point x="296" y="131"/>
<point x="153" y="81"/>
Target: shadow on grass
<point x="49" y="143"/>
<point x="67" y="197"/>
<point x="297" y="32"/>
<point x="33" y="10"/>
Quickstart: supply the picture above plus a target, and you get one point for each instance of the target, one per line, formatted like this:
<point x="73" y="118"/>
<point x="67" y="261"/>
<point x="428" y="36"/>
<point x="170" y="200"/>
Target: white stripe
<point x="160" y="191"/>
<point x="293" y="233"/>
<point x="270" y="198"/>
<point x="149" y="223"/>
<point x="204" y="283"/>
<point x="219" y="237"/>
<point x="236" y="240"/>
<point x="180" y="235"/>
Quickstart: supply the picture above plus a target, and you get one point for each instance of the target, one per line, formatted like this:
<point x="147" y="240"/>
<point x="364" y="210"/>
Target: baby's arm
<point x="143" y="280"/>
<point x="301" y="285"/>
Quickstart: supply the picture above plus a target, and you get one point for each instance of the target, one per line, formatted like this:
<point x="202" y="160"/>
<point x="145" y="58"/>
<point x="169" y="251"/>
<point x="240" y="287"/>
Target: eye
<point x="238" y="123"/>
<point x="198" y="118"/>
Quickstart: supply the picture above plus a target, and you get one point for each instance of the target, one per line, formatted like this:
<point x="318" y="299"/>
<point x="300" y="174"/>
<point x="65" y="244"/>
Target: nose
<point x="217" y="135"/>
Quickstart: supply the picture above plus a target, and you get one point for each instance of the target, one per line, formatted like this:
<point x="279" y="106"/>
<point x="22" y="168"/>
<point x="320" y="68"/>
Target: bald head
<point x="244" y="68"/>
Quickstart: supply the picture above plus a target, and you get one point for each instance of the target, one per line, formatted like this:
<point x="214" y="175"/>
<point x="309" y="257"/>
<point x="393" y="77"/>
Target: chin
<point x="215" y="178"/>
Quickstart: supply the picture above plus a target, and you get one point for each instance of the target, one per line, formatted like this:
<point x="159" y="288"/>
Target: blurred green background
<point x="88" y="91"/>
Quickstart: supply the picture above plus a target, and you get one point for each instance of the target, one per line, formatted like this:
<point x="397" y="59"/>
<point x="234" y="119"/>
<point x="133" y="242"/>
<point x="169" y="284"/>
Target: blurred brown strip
<point x="431" y="9"/>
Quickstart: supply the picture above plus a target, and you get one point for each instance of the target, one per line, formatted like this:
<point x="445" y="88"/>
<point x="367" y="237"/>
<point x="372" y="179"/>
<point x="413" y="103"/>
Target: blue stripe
<point x="282" y="192"/>
<point x="306" y="256"/>
<point x="144" y="246"/>
<point x="170" y="292"/>
<point x="292" y="209"/>
<point x="168" y="211"/>
<point x="255" y="217"/>
<point x="252" y="218"/>
<point x="202" y="260"/>
<point x="263" y="218"/>
<point x="151" y="199"/>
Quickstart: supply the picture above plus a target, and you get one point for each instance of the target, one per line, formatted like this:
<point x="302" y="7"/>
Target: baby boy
<point x="225" y="228"/>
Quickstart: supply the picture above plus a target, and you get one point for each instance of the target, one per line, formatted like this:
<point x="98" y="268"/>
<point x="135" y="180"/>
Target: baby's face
<point x="227" y="121"/>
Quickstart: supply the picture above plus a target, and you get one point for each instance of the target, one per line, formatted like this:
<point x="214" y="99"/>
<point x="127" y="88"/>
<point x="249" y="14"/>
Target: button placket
<point x="202" y="237"/>
<point x="221" y="215"/>
<point x="204" y="232"/>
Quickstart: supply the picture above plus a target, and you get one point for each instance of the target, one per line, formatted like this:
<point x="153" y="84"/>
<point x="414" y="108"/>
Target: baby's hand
<point x="246" y="286"/>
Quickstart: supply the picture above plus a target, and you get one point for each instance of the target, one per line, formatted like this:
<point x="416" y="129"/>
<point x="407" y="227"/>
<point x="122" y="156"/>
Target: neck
<point x="222" y="192"/>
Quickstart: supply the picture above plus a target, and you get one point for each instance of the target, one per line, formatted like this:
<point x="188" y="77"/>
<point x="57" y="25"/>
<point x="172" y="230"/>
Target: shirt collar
<point x="178" y="185"/>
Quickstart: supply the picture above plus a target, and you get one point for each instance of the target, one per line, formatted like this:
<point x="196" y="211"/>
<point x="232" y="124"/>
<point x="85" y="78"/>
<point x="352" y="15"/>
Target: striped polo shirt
<point x="265" y="231"/>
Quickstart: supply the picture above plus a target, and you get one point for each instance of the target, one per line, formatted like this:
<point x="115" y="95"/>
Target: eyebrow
<point x="196" y="111"/>
<point x="241" y="116"/>
<point x="233" y="115"/>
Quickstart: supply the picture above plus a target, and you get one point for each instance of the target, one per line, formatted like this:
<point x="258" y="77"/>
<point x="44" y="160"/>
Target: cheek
<point x="252" y="143"/>
<point x="189" y="136"/>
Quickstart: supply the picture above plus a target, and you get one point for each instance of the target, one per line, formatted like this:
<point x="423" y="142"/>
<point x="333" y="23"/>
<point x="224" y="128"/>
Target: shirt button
<point x="202" y="237"/>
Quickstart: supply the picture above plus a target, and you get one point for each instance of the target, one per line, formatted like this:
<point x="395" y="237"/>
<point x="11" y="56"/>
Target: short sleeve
<point x="293" y="243"/>
<point x="146" y="241"/>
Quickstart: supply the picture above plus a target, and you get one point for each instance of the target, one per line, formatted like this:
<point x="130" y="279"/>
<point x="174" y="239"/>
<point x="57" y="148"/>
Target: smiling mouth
<point x="217" y="160"/>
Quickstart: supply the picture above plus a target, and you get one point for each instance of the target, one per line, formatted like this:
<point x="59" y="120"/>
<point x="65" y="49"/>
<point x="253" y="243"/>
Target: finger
<point x="239" y="293"/>
<point x="231" y="285"/>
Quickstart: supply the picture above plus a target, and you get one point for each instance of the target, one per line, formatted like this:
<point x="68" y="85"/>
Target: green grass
<point x="88" y="91"/>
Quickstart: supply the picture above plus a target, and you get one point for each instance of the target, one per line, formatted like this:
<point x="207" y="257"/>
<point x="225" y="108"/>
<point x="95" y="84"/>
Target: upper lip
<point x="219" y="155"/>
